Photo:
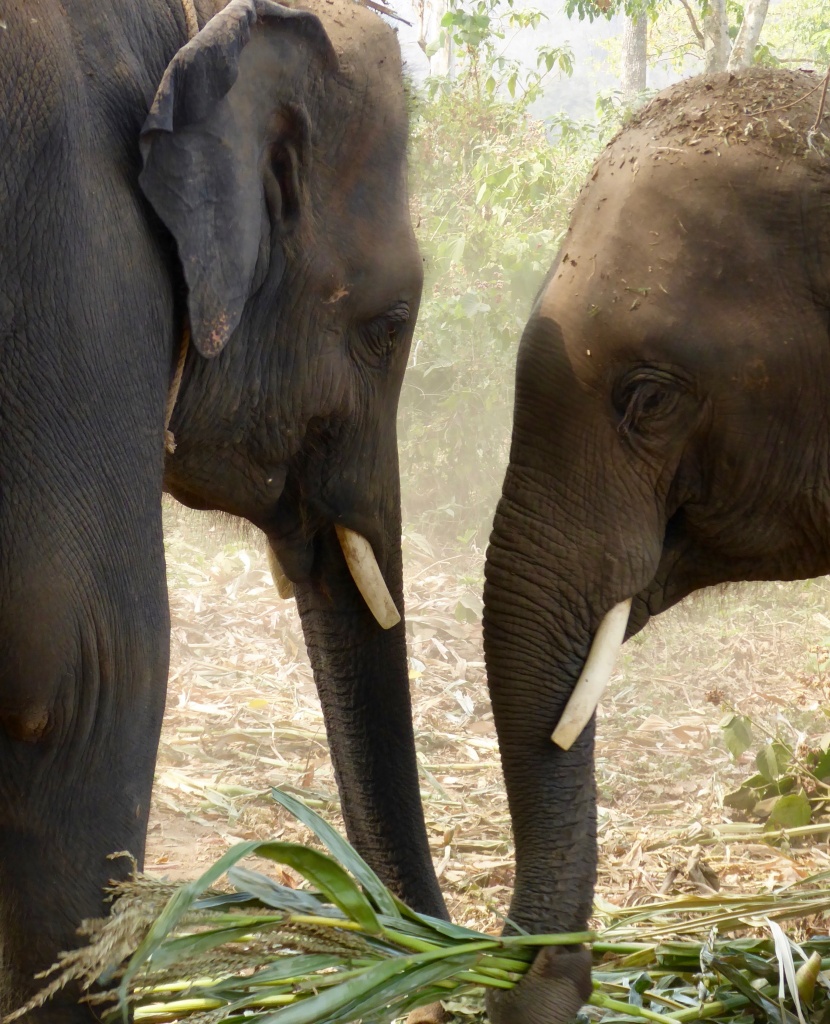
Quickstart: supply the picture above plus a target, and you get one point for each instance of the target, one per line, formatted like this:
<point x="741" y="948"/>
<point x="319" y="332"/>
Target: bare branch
<point x="383" y="9"/>
<point x="693" y="22"/>
<point x="820" y="114"/>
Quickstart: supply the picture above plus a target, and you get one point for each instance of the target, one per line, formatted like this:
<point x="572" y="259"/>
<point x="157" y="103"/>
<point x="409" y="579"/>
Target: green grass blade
<point x="774" y="1013"/>
<point x="335" y="1004"/>
<point x="342" y="851"/>
<point x="391" y="993"/>
<point x="281" y="897"/>
<point x="413" y="983"/>
<point x="183" y="947"/>
<point x="328" y="876"/>
<point x="225" y="899"/>
<point x="437" y="925"/>
<point x="296" y="965"/>
<point x="177" y="906"/>
<point x="319" y="869"/>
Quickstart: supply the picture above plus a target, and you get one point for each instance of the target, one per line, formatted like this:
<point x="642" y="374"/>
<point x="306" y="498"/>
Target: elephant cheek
<point x="557" y="985"/>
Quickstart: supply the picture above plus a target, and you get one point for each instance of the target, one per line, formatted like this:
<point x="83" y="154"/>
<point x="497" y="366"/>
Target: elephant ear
<point x="226" y="153"/>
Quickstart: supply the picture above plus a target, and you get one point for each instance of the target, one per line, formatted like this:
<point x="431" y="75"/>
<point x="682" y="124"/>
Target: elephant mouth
<point x="669" y="585"/>
<point x="299" y="541"/>
<point x="363" y="567"/>
<point x="644" y="605"/>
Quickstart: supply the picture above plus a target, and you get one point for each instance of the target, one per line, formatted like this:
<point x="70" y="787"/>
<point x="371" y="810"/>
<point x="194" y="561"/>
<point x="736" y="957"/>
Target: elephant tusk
<point x="285" y="588"/>
<point x="594" y="678"/>
<point x="367" y="576"/>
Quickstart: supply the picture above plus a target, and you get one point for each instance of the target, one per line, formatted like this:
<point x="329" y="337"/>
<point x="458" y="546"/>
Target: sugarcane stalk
<point x="607" y="1003"/>
<point x="560" y="939"/>
<point x="713" y="1009"/>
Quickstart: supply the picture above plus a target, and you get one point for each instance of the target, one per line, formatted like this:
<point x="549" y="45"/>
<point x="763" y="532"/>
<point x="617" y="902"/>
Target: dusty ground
<point x="243" y="716"/>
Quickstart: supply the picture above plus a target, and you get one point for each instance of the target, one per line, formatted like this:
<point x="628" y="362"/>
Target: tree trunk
<point x="755" y="14"/>
<point x="717" y="43"/>
<point x="635" y="52"/>
<point x="430" y="13"/>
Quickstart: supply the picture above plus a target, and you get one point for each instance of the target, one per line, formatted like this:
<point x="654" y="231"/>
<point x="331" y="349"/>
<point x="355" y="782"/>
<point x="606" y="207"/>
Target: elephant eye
<point x="381" y="334"/>
<point x="646" y="396"/>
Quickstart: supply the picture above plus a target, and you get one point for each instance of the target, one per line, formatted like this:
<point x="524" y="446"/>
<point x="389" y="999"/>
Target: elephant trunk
<point x="554" y="573"/>
<point x="533" y="663"/>
<point x="361" y="673"/>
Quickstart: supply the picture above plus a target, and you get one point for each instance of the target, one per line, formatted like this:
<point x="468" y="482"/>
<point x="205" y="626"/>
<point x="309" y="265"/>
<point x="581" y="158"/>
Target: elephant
<point x="670" y="432"/>
<point x="204" y="226"/>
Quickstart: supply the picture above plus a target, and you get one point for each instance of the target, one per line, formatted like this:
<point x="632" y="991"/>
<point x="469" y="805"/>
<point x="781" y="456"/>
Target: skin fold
<point x="670" y="433"/>
<point x="264" y="201"/>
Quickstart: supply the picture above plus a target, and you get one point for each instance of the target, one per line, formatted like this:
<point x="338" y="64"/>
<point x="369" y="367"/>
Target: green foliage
<point x="794" y="33"/>
<point x="737" y="734"/>
<point x="492" y="191"/>
<point x="797" y="32"/>
<point x="788" y="789"/>
<point x="347" y="949"/>
<point x="478" y="31"/>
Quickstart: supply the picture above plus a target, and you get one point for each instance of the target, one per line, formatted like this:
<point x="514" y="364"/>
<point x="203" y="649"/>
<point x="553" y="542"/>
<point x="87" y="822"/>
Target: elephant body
<point x="247" y="185"/>
<point x="670" y="432"/>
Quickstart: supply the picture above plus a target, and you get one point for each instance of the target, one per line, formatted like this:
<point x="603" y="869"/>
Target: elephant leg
<point x="83" y="667"/>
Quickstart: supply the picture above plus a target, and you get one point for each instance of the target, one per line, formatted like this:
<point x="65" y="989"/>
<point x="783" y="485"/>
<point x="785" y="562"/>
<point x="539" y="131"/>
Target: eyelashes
<point x="645" y="397"/>
<point x="381" y="335"/>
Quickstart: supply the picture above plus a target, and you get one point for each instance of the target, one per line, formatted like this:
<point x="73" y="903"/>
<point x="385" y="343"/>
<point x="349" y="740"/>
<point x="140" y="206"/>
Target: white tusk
<point x="285" y="588"/>
<point x="367" y="576"/>
<point x="594" y="678"/>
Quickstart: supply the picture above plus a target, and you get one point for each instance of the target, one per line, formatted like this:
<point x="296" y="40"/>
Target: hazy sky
<point x="593" y="69"/>
<point x="574" y="95"/>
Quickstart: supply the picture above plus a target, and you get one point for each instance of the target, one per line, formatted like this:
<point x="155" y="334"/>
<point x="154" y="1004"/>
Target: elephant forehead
<point x="686" y="217"/>
<point x="675" y="254"/>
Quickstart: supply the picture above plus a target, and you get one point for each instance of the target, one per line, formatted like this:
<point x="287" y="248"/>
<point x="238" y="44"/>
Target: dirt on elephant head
<point x="777" y="108"/>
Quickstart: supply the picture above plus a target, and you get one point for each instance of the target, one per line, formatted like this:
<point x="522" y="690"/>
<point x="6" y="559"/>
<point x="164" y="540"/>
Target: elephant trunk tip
<point x="553" y="991"/>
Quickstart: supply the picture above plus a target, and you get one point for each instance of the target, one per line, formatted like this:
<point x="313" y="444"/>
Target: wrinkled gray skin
<point x="671" y="431"/>
<point x="264" y="199"/>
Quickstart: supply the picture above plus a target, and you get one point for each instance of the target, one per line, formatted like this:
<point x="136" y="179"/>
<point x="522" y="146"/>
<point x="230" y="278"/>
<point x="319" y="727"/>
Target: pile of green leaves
<point x="347" y="949"/>
<point x="788" y="789"/>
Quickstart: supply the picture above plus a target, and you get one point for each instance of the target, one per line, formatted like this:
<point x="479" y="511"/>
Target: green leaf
<point x="745" y="798"/>
<point x="182" y="947"/>
<point x="434" y="928"/>
<point x="455" y="250"/>
<point x="376" y="987"/>
<point x="790" y="811"/>
<point x="821" y="767"/>
<point x="737" y="734"/>
<point x="772" y="761"/>
<point x="328" y="876"/>
<point x="341" y="850"/>
<point x="774" y="1013"/>
<point x="280" y="897"/>
<point x="323" y="872"/>
<point x="177" y="906"/>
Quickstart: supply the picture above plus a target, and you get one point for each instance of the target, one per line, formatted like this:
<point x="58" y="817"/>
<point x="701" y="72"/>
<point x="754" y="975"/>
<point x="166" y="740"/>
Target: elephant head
<point x="274" y="153"/>
<point x="670" y="432"/>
